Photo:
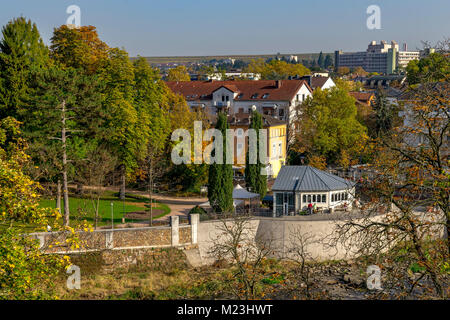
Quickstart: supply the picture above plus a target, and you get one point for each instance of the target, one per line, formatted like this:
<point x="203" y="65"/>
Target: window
<point x="281" y="112"/>
<point x="240" y="95"/>
<point x="223" y="98"/>
<point x="303" y="97"/>
<point x="333" y="197"/>
<point x="254" y="96"/>
<point x="265" y="96"/>
<point x="291" y="199"/>
<point x="309" y="198"/>
<point x="314" y="198"/>
<point x="227" y="98"/>
<point x="279" y="198"/>
<point x="324" y="198"/>
<point x="346" y="196"/>
<point x="304" y="198"/>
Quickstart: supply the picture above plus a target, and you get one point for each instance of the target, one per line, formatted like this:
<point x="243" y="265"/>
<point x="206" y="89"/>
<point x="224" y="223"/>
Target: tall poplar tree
<point x="220" y="183"/>
<point x="255" y="181"/>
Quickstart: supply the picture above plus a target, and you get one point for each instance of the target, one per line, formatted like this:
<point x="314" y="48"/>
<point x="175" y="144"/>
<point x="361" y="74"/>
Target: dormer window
<point x="254" y="96"/>
<point x="240" y="96"/>
<point x="265" y="96"/>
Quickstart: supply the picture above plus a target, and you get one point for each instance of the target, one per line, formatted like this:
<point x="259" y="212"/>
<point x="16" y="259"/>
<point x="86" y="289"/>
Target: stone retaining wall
<point x="118" y="239"/>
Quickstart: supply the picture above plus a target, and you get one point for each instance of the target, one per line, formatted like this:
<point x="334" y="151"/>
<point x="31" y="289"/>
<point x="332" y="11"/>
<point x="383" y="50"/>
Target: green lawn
<point x="83" y="208"/>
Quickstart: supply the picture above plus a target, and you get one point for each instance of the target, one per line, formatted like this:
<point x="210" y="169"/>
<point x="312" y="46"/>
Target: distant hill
<point x="246" y="58"/>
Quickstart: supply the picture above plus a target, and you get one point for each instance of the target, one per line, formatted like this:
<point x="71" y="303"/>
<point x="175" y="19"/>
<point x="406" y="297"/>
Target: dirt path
<point x="178" y="206"/>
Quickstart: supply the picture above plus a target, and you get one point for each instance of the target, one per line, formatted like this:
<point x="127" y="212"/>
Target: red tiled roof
<point x="318" y="81"/>
<point x="246" y="89"/>
<point x="362" y="96"/>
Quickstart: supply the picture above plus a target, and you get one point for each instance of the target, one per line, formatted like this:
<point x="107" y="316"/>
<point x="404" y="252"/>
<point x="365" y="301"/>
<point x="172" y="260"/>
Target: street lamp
<point x="112" y="215"/>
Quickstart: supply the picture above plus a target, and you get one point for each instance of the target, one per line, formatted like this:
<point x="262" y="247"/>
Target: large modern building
<point x="381" y="58"/>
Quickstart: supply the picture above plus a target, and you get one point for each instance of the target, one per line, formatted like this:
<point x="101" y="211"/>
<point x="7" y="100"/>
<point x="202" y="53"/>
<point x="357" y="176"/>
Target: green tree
<point x="59" y="120"/>
<point x="122" y="121"/>
<point x="384" y="114"/>
<point x="21" y="51"/>
<point x="220" y="182"/>
<point x="328" y="61"/>
<point x="435" y="67"/>
<point x="254" y="179"/>
<point x="320" y="60"/>
<point x="327" y="126"/>
<point x="276" y="69"/>
<point x="179" y="73"/>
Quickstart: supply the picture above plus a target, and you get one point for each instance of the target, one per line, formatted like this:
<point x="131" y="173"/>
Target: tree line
<point x="84" y="105"/>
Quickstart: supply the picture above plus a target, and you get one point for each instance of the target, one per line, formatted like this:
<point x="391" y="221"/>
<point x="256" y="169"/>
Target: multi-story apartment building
<point x="381" y="58"/>
<point x="276" y="142"/>
<point x="277" y="98"/>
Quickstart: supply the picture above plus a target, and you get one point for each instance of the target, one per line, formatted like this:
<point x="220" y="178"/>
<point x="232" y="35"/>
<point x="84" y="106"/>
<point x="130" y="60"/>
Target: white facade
<point x="299" y="201"/>
<point x="404" y="57"/>
<point x="225" y="98"/>
<point x="328" y="84"/>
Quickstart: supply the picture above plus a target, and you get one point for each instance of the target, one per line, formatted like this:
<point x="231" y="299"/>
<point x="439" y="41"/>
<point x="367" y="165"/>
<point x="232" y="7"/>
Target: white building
<point x="277" y="98"/>
<point x="381" y="58"/>
<point x="298" y="186"/>
<point x="404" y="57"/>
<point x="319" y="82"/>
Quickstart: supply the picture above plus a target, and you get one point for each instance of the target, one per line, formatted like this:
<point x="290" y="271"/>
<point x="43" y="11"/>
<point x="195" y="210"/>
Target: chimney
<point x="278" y="84"/>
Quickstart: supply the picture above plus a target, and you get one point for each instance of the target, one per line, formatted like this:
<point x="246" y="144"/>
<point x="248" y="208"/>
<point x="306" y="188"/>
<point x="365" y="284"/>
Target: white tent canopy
<point x="241" y="193"/>
<point x="239" y="196"/>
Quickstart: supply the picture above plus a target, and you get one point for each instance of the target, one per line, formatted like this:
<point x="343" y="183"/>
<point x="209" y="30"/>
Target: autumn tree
<point x="276" y="69"/>
<point x="25" y="271"/>
<point x="179" y="73"/>
<point x="79" y="48"/>
<point x="342" y="71"/>
<point x="411" y="188"/>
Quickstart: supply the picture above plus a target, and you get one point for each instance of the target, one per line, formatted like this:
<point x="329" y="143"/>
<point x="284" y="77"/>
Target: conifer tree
<point x="255" y="181"/>
<point x="220" y="183"/>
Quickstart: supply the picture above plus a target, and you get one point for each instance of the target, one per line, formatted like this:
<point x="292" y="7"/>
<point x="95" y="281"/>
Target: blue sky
<point x="212" y="27"/>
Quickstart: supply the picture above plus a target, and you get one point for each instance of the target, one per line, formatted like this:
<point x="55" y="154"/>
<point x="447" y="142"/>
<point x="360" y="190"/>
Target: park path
<point x="179" y="206"/>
